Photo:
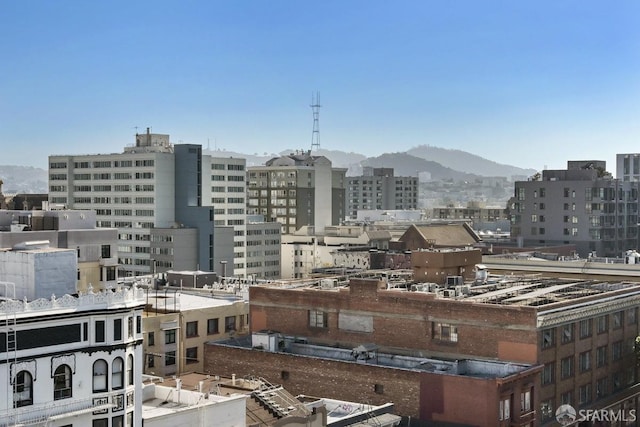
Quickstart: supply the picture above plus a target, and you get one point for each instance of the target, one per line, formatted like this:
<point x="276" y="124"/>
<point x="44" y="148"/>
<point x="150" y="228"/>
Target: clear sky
<point x="526" y="83"/>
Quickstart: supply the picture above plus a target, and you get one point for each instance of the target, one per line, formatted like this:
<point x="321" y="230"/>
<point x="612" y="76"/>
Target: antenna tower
<point x="315" y="135"/>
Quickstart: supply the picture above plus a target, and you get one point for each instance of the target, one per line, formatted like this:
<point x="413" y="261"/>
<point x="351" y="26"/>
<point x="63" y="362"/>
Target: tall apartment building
<point x="581" y="205"/>
<point x="263" y="249"/>
<point x="379" y="189"/>
<point x="164" y="199"/>
<point x="628" y="167"/>
<point x="297" y="190"/>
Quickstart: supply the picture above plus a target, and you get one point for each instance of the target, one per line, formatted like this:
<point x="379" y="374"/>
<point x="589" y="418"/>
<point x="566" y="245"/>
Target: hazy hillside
<point x="464" y="161"/>
<point x="23" y="179"/>
<point x="407" y="165"/>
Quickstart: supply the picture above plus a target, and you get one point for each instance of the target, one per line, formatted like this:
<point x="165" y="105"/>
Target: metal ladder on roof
<point x="11" y="343"/>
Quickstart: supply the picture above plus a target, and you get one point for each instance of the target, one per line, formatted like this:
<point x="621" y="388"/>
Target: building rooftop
<point x="173" y="300"/>
<point x="121" y="297"/>
<point x="369" y="354"/>
<point x="267" y="403"/>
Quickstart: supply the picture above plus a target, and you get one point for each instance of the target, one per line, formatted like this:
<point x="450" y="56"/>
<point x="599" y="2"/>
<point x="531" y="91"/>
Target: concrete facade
<point x="154" y="185"/>
<point x="96" y="248"/>
<point x="580" y="205"/>
<point x="379" y="189"/>
<point x="297" y="190"/>
<point x="177" y="324"/>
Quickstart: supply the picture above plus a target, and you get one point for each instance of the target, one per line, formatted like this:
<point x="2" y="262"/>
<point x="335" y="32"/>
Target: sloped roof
<point x="379" y="235"/>
<point x="459" y="234"/>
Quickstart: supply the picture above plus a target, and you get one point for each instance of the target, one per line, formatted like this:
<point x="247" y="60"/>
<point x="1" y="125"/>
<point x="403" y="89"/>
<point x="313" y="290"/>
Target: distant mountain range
<point x="23" y="179"/>
<point x="441" y="163"/>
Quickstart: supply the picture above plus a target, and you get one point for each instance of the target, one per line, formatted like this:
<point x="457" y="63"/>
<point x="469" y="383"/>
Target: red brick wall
<point x="402" y="321"/>
<point x="423" y="395"/>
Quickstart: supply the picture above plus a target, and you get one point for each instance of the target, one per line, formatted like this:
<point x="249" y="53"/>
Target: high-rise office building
<point x="153" y="194"/>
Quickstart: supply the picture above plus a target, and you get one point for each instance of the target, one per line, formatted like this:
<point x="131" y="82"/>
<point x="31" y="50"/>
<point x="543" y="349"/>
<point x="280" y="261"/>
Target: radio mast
<point x="315" y="135"/>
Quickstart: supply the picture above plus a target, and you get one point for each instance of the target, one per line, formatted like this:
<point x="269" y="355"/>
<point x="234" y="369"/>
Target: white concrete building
<point x="153" y="194"/>
<point x="227" y="194"/>
<point x="95" y="248"/>
<point x="71" y="361"/>
<point x="175" y="406"/>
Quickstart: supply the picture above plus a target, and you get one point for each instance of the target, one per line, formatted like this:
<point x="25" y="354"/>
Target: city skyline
<point x="529" y="84"/>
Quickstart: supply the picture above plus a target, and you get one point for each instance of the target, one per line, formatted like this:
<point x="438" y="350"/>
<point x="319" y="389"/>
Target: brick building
<point x="499" y="394"/>
<point x="582" y="332"/>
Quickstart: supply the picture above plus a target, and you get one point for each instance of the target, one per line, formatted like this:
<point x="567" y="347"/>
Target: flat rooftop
<point x="173" y="300"/>
<point x="509" y="289"/>
<point x="370" y="355"/>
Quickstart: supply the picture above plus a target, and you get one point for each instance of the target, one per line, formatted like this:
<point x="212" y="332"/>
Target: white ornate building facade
<point x="71" y="360"/>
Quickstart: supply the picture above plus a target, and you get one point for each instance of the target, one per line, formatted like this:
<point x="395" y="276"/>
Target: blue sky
<point x="526" y="83"/>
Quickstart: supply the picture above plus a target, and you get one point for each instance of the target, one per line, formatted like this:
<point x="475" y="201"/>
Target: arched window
<point x="100" y="375"/>
<point x="130" y="369"/>
<point x="23" y="389"/>
<point x="117" y="373"/>
<point x="62" y="382"/>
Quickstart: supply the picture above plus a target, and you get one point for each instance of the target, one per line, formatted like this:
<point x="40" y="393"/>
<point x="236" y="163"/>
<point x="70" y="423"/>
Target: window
<point x="23" y="389"/>
<point x="105" y="251"/>
<point x="117" y="421"/>
<point x="601" y="387"/>
<point x="212" y="326"/>
<point x="151" y="339"/>
<point x="317" y="319"/>
<point x="585" y="361"/>
<point x="130" y="327"/>
<point x="138" y="324"/>
<point x="567" y="333"/>
<point x="192" y="355"/>
<point x="603" y="324"/>
<point x="62" y="382"/>
<point x="170" y="358"/>
<point x="548" y="338"/>
<point x="616" y="351"/>
<point x="505" y="408"/>
<point x="151" y="361"/>
<point x="617" y="319"/>
<point x="170" y="336"/>
<point x="584" y="394"/>
<point x="99" y="376"/>
<point x="117" y="373"/>
<point x="566" y="398"/>
<point x="117" y="329"/>
<point x="378" y="388"/>
<point x="101" y="422"/>
<point x="631" y="316"/>
<point x="548" y="373"/>
<point x="601" y="356"/>
<point x="192" y="329"/>
<point x="445" y="332"/>
<point x="585" y="328"/>
<point x="566" y="367"/>
<point x="525" y="402"/>
<point x="99" y="330"/>
<point x="230" y="323"/>
<point x="130" y="369"/>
